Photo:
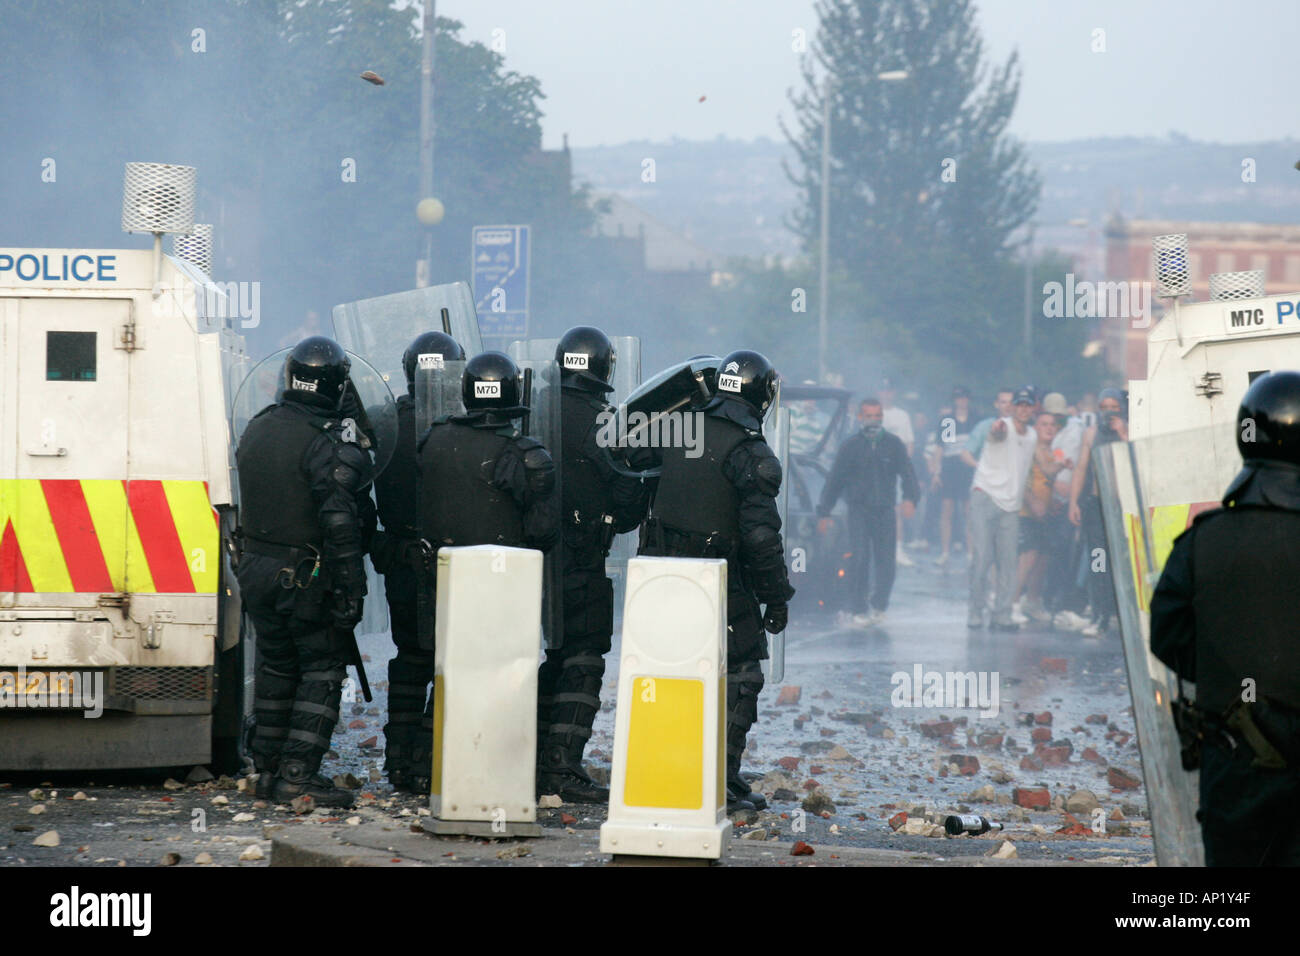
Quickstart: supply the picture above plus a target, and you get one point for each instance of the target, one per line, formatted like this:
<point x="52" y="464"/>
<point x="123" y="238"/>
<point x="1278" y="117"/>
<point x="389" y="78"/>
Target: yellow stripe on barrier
<point x="665" y="744"/>
<point x="118" y="537"/>
<point x="722" y="737"/>
<point x="37" y="540"/>
<point x="197" y="530"/>
<point x="438" y="694"/>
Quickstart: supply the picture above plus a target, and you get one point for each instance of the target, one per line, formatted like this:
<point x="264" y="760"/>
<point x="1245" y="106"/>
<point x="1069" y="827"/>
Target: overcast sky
<point x="616" y="71"/>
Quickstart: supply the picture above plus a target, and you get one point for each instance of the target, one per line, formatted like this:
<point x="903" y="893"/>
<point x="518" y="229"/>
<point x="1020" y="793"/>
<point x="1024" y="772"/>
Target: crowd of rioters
<point x="1013" y="490"/>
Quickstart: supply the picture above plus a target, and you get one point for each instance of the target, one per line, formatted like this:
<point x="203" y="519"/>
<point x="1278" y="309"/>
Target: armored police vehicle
<point x="1180" y="457"/>
<point x="120" y="629"/>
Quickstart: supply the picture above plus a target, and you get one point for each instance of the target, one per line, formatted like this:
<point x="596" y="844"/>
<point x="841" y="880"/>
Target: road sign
<point x="499" y="262"/>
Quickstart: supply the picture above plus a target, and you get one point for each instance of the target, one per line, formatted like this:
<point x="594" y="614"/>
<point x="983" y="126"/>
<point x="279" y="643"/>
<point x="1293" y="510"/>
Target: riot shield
<point x="543" y="424"/>
<point x="437" y="391"/>
<point x="627" y="377"/>
<point x="1150" y="490"/>
<point x="676" y="387"/>
<point x="369" y="405"/>
<point x="776" y="429"/>
<point x="379" y="329"/>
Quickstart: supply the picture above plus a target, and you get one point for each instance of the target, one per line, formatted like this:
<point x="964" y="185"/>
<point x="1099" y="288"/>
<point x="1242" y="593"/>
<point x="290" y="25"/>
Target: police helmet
<point x="429" y="344"/>
<point x="492" y="382"/>
<point x="1268" y="422"/>
<point x="316" y="372"/>
<point x="749" y="377"/>
<point x="587" y="353"/>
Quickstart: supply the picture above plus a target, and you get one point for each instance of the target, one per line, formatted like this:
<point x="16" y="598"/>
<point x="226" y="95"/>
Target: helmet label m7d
<point x="586" y="355"/>
<point x="487" y="389"/>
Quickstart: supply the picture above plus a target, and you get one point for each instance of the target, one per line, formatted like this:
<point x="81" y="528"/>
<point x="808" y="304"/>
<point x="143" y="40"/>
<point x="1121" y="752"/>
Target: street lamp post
<point x="424" y="268"/>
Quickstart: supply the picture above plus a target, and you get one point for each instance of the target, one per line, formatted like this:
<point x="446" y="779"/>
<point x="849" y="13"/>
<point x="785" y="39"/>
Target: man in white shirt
<point x="997" y="493"/>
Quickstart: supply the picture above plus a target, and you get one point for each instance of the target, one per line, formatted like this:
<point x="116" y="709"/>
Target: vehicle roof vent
<point x="196" y="248"/>
<point x="1237" y="285"/>
<point x="1169" y="264"/>
<point x="158" y="198"/>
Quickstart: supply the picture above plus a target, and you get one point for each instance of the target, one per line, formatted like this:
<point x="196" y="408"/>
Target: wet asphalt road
<point x="845" y="737"/>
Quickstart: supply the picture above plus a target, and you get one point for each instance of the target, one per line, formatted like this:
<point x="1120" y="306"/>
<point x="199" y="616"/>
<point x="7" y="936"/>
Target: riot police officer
<point x="601" y="498"/>
<point x="1223" y="616"/>
<point x="303" y="483"/>
<point x="722" y="504"/>
<point x="494" y="484"/>
<point x="396" y="554"/>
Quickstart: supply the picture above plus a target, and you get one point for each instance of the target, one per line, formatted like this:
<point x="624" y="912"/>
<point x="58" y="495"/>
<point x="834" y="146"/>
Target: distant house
<point x="673" y="263"/>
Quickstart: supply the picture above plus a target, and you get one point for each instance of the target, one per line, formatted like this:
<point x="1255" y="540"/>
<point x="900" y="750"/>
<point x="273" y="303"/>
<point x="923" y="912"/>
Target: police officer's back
<point x="302" y="478"/>
<point x="722" y="503"/>
<point x="396" y="554"/>
<point x="489" y="483"/>
<point x="600" y="498"/>
<point x="1223" y="615"/>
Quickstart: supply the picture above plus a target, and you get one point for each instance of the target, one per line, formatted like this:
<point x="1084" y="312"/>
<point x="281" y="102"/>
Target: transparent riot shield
<point x="776" y="429"/>
<point x="1150" y="490"/>
<point x="381" y="328"/>
<point x="437" y="391"/>
<point x="627" y="377"/>
<point x="369" y="407"/>
<point x="373" y="415"/>
<point x="544" y="423"/>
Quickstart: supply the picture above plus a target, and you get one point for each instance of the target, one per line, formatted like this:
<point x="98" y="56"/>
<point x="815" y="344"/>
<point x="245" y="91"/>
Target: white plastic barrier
<point x="667" y="792"/>
<point x="485" y="692"/>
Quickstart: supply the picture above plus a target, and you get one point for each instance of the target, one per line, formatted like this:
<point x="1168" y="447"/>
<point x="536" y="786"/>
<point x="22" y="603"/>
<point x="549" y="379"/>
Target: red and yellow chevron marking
<point x="104" y="536"/>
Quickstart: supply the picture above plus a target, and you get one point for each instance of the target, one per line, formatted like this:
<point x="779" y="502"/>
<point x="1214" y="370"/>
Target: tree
<point x="927" y="188"/>
<point x="269" y="106"/>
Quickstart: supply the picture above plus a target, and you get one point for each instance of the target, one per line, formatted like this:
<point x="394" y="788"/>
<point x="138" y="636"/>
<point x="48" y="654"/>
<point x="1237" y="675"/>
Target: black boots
<point x="744" y="682"/>
<point x="560" y="772"/>
<point x="568" y="700"/>
<point x="296" y="779"/>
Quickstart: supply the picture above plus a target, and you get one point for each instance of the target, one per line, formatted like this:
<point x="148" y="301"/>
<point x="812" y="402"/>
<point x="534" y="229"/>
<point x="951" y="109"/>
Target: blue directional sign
<point x="499" y="261"/>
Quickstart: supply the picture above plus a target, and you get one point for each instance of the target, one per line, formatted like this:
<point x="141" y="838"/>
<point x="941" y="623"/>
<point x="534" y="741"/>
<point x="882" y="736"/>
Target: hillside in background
<point x="733" y="196"/>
